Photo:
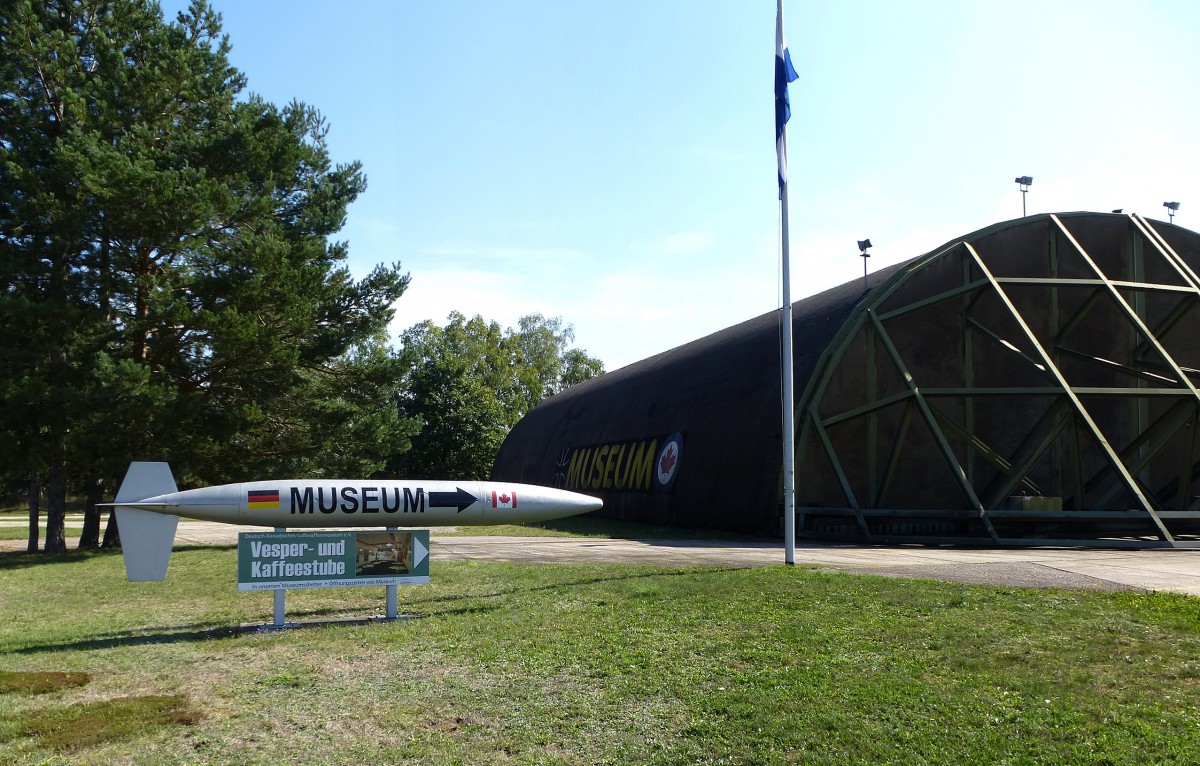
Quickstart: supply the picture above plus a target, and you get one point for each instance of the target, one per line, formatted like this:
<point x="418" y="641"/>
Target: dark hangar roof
<point x="721" y="392"/>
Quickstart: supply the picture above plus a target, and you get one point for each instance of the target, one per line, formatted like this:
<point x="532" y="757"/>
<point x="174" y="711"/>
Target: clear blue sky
<point x="613" y="163"/>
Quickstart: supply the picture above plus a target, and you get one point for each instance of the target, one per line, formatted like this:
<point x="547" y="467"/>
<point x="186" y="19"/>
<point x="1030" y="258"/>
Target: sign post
<point x="280" y="593"/>
<point x="390" y="612"/>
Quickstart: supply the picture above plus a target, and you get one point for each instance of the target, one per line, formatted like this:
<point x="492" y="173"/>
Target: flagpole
<point x="789" y="407"/>
<point x="785" y="73"/>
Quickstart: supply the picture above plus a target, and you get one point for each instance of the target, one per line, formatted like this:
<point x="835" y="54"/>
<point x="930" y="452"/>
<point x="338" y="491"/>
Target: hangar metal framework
<point x="1033" y="383"/>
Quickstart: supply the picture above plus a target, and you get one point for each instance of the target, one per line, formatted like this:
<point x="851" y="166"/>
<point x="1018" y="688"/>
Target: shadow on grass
<point x="13" y="560"/>
<point x="433" y="603"/>
<point x="125" y="638"/>
<point x="466" y="605"/>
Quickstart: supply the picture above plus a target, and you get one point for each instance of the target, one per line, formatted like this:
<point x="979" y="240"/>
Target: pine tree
<point x="169" y="288"/>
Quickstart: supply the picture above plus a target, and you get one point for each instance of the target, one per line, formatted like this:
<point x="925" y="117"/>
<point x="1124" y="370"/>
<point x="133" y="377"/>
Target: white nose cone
<point x="521" y="503"/>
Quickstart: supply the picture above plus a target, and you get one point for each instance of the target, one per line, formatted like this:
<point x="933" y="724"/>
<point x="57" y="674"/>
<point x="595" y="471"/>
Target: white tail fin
<point x="146" y="536"/>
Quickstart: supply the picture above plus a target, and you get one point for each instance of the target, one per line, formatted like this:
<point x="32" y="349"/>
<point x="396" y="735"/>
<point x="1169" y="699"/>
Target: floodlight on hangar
<point x="1025" y="182"/>
<point x="1172" y="209"/>
<point x="863" y="245"/>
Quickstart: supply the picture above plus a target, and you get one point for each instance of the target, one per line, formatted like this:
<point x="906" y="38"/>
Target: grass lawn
<point x="620" y="664"/>
<point x="22" y="533"/>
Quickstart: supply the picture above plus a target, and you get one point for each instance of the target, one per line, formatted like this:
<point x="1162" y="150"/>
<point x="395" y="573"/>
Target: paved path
<point x="1166" y="570"/>
<point x="1103" y="569"/>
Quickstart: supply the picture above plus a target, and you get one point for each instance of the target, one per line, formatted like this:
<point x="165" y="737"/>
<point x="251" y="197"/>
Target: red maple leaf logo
<point x="504" y="499"/>
<point x="668" y="460"/>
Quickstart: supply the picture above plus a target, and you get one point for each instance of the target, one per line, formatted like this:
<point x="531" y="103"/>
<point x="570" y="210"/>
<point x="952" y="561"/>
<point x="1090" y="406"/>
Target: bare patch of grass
<point x="73" y="727"/>
<point x="39" y="682"/>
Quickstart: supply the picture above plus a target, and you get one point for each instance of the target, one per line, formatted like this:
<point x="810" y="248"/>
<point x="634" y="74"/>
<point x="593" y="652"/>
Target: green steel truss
<point x="1034" y="383"/>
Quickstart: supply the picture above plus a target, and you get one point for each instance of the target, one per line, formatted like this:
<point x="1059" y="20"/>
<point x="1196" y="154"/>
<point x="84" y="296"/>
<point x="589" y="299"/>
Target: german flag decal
<point x="262" y="498"/>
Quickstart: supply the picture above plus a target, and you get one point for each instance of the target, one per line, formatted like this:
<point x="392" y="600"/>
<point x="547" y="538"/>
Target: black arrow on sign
<point x="459" y="498"/>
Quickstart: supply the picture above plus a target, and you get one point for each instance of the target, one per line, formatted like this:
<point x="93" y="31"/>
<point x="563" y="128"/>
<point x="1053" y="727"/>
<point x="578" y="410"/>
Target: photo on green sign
<point x="383" y="554"/>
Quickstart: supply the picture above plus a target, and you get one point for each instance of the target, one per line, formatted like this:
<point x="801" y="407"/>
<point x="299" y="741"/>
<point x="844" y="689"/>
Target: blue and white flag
<point x="784" y="73"/>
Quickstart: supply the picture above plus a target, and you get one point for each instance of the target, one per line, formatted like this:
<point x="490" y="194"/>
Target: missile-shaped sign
<point x="381" y="503"/>
<point x="148" y="507"/>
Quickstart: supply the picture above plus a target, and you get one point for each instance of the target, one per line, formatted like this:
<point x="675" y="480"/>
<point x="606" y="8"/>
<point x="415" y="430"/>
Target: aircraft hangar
<point x="1031" y="383"/>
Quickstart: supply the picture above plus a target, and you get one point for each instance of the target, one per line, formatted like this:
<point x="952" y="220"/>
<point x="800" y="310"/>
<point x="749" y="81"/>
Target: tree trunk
<point x="56" y="504"/>
<point x="90" y="537"/>
<point x="35" y="499"/>
<point x="112" y="535"/>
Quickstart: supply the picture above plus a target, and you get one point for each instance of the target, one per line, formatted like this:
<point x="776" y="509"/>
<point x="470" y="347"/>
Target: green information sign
<point x="271" y="560"/>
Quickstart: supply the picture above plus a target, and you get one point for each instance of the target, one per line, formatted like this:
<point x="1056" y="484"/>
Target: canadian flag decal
<point x="504" y="499"/>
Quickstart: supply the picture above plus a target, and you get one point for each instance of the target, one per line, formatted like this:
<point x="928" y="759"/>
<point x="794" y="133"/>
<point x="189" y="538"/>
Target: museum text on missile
<point x="354" y="499"/>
